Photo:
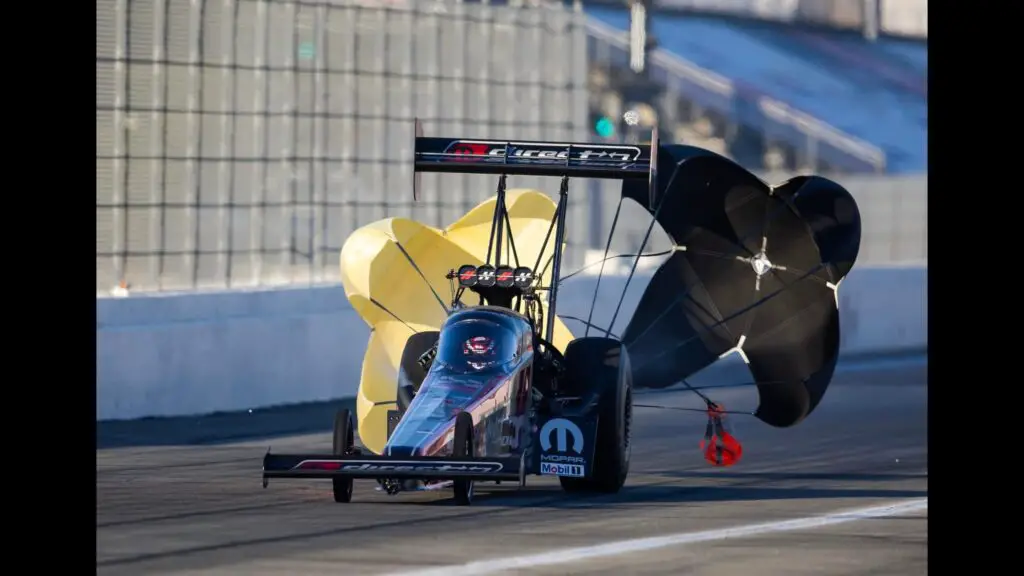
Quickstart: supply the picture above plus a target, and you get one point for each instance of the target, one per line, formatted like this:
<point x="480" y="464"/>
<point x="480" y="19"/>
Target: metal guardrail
<point x="817" y="130"/>
<point x="903" y="18"/>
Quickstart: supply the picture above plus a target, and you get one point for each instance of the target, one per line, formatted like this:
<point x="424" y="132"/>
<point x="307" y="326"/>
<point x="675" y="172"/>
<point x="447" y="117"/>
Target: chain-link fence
<point x="239" y="142"/>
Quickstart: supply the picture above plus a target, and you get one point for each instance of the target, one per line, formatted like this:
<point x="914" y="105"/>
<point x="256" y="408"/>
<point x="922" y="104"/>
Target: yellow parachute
<point x="393" y="271"/>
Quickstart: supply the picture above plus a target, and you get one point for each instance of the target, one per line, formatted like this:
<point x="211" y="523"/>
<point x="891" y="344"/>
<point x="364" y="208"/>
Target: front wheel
<point x="462" y="447"/>
<point x="344" y="442"/>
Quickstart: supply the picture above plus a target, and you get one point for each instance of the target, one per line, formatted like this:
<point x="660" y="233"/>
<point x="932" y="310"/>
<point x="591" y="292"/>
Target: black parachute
<point x="754" y="269"/>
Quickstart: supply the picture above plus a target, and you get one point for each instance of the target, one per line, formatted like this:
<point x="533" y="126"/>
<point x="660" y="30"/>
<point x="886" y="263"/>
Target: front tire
<point x="344" y="442"/>
<point x="602" y="365"/>
<point x="462" y="447"/>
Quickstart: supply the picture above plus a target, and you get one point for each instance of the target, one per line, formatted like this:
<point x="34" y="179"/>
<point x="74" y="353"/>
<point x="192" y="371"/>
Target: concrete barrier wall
<point x="199" y="353"/>
<point x="182" y="354"/>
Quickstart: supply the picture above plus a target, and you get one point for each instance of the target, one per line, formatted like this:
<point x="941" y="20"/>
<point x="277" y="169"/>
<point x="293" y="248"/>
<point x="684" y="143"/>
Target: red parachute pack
<point x="720" y="447"/>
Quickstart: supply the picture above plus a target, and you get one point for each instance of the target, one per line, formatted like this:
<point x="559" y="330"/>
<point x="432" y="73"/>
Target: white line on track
<point x="568" y="555"/>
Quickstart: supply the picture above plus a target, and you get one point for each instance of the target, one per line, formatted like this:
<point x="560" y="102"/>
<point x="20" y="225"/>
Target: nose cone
<point x="421" y="438"/>
<point x="427" y="425"/>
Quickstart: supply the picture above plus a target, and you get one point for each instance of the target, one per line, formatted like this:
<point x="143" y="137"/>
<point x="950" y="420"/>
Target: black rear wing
<point x="568" y="159"/>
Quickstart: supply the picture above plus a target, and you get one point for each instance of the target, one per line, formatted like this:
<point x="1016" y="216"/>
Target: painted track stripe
<point x="584" y="553"/>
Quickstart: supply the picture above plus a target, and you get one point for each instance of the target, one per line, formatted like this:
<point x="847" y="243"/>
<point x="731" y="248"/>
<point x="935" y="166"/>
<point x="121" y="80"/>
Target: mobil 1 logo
<point x="562" y="444"/>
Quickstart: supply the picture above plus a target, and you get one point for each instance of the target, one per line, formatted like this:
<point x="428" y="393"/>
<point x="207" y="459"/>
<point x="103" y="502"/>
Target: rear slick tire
<point x="602" y="365"/>
<point x="462" y="447"/>
<point x="344" y="442"/>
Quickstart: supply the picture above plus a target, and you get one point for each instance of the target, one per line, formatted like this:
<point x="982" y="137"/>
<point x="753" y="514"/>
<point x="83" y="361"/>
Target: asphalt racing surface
<point x="198" y="508"/>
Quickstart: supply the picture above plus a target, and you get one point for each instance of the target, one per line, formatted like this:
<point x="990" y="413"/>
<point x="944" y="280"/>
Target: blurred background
<point x="239" y="142"/>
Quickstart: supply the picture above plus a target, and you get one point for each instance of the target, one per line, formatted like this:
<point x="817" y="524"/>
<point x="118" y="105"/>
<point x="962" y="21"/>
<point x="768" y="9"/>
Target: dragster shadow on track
<point x="750" y="488"/>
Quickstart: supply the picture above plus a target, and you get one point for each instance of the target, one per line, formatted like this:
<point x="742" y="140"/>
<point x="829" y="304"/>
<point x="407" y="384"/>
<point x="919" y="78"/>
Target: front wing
<point x="372" y="466"/>
<point x="564" y="447"/>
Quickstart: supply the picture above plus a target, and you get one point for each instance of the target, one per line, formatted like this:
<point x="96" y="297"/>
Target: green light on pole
<point x="605" y="128"/>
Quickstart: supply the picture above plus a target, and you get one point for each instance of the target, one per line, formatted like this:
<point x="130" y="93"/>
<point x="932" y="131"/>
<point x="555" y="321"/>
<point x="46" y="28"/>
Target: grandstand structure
<point x="773" y="95"/>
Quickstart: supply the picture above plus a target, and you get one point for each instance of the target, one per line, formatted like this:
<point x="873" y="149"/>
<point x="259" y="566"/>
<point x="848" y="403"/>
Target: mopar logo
<point x="413" y="467"/>
<point x="558" y="458"/>
<point x="562" y="428"/>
